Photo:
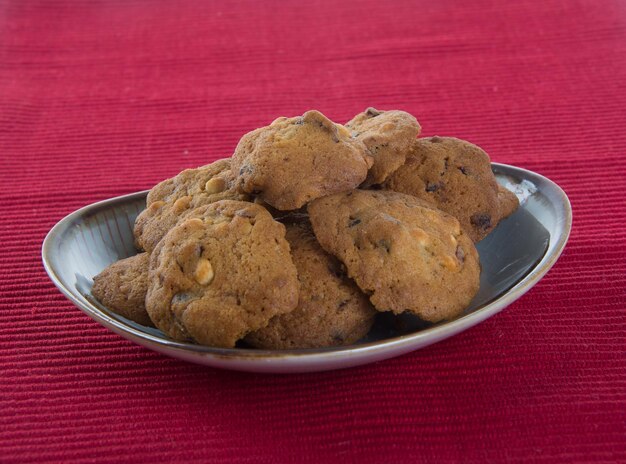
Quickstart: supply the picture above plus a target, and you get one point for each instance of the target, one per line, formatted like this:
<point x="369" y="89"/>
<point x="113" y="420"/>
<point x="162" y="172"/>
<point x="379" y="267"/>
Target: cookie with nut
<point x="218" y="276"/>
<point x="171" y="199"/>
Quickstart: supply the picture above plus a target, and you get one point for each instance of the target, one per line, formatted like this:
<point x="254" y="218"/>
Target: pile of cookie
<point x="307" y="232"/>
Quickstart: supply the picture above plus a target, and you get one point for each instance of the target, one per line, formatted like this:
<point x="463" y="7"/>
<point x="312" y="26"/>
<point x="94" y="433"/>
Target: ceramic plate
<point x="513" y="257"/>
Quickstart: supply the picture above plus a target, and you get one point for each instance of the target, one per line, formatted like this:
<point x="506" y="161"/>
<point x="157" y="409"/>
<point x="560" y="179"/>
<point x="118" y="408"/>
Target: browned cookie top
<point x="172" y="198"/>
<point x="406" y="255"/>
<point x="122" y="288"/>
<point x="295" y="160"/>
<point x="214" y="279"/>
<point x="388" y="136"/>
<point x="213" y="178"/>
<point x="331" y="309"/>
<point x="456" y="177"/>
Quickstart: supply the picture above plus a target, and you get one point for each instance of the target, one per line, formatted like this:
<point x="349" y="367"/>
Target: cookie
<point x="122" y="288"/>
<point x="508" y="202"/>
<point x="214" y="279"/>
<point x="192" y="182"/>
<point x="295" y="160"/>
<point x="331" y="310"/>
<point x="388" y="136"/>
<point x="406" y="255"/>
<point x="456" y="177"/>
<point x="172" y="198"/>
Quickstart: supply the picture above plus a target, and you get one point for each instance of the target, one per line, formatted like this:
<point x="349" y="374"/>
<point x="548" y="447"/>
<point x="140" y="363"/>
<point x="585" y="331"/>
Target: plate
<point x="514" y="257"/>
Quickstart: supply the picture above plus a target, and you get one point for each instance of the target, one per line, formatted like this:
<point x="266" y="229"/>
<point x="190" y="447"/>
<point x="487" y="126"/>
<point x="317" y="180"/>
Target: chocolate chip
<point x="181" y="298"/>
<point x="481" y="220"/>
<point x="384" y="243"/>
<point x="430" y="187"/>
<point x="354" y="222"/>
<point x="463" y="169"/>
<point x="343" y="304"/>
<point x="245" y="169"/>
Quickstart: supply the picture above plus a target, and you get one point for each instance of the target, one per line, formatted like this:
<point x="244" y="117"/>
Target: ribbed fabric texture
<point x="103" y="98"/>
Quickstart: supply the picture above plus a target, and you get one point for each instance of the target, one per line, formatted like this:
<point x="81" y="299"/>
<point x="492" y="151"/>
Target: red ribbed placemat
<point x="103" y="98"/>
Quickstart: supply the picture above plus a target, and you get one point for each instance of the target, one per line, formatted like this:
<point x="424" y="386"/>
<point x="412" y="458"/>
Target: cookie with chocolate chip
<point x="172" y="198"/>
<point x="214" y="279"/>
<point x="295" y="160"/>
<point x="331" y="310"/>
<point x="456" y="177"/>
<point x="400" y="250"/>
<point x="122" y="288"/>
<point x="388" y="136"/>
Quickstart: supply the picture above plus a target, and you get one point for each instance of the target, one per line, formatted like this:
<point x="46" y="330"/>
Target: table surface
<point x="99" y="99"/>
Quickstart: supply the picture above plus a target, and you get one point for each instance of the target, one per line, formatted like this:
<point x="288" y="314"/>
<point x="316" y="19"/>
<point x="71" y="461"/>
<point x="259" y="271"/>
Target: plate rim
<point x="313" y="358"/>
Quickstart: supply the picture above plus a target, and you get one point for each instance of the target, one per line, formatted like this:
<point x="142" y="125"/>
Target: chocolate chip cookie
<point x="172" y="198"/>
<point x="406" y="255"/>
<point x="331" y="310"/>
<point x="214" y="279"/>
<point x="212" y="178"/>
<point x="456" y="177"/>
<point x="122" y="288"/>
<point x="295" y="160"/>
<point x="388" y="136"/>
<point x="508" y="202"/>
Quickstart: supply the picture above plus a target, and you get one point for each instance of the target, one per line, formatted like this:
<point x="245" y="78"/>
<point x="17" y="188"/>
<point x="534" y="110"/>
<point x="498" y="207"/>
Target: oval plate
<point x="513" y="257"/>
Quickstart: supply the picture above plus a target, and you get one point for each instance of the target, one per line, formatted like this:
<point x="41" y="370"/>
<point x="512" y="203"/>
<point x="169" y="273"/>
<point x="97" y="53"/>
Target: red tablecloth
<point x="99" y="99"/>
